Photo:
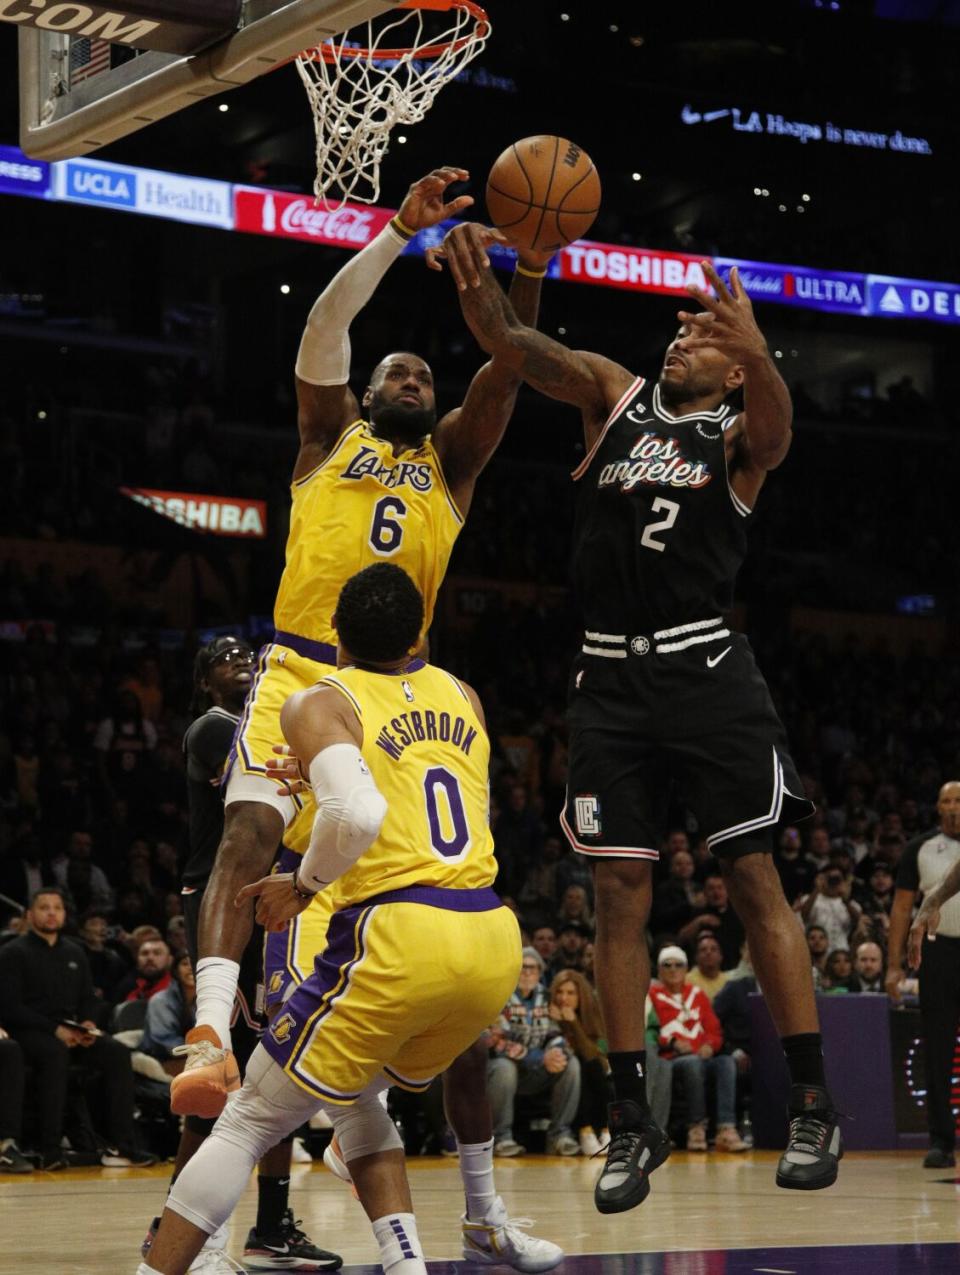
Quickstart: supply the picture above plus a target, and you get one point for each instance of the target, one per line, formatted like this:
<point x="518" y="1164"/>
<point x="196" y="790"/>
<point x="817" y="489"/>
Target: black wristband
<point x="298" y="890"/>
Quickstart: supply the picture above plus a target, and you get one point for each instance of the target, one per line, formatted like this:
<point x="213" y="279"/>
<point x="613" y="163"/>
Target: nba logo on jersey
<point x="407" y="691"/>
<point x="587" y="814"/>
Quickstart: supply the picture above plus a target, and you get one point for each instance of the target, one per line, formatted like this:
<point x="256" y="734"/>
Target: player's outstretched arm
<point x="588" y="381"/>
<point x="324" y="735"/>
<point x="762" y="433"/>
<point x="325" y="402"/>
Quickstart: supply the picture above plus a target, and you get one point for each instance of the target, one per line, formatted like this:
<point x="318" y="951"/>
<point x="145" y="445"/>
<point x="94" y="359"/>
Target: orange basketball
<point x="543" y="192"/>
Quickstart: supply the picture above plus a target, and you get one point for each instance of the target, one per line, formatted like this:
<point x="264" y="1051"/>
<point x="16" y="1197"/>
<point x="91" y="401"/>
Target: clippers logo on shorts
<point x="281" y="1029"/>
<point x="586" y="812"/>
<point x="654" y="462"/>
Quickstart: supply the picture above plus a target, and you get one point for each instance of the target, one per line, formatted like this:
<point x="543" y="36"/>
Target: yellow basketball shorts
<point x="408" y="980"/>
<point x="289" y="956"/>
<point x="286" y="665"/>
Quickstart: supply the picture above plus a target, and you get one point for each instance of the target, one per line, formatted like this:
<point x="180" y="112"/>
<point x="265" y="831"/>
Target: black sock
<point x="805" y="1058"/>
<point x="628" y="1071"/>
<point x="272" y="1198"/>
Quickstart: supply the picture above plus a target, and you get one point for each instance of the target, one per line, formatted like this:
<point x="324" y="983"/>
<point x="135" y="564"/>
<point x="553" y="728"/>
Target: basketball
<point x="543" y="193"/>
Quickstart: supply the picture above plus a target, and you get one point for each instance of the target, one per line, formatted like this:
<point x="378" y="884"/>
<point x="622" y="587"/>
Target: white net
<point x="359" y="91"/>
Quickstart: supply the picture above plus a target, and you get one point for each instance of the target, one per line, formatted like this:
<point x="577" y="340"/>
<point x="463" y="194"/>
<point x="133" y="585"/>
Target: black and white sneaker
<point x="12" y="1159"/>
<point x="289" y="1250"/>
<point x="637" y="1146"/>
<point x="814" y="1146"/>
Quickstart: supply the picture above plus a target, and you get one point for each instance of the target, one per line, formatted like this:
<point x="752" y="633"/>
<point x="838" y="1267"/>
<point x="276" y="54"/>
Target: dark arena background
<point x="152" y="297"/>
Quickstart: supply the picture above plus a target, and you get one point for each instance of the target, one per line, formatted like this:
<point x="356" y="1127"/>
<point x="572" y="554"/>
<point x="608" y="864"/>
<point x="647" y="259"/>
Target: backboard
<point x="73" y="101"/>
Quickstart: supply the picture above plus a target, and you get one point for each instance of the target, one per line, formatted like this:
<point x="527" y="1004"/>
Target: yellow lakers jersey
<point x="429" y="756"/>
<point x="364" y="505"/>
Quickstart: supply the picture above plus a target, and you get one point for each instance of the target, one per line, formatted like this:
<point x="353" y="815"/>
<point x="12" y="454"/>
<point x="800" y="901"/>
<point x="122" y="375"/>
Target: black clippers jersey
<point x="659" y="534"/>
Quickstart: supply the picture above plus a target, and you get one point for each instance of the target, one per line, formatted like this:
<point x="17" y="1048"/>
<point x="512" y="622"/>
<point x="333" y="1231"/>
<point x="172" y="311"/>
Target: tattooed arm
<point x="588" y="381"/>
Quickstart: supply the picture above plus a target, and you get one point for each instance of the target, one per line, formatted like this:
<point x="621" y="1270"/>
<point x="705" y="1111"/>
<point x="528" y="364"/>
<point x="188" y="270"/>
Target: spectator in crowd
<point x="732" y="1008"/>
<point x="170" y="1015"/>
<point x="12" y="1159"/>
<point x="107" y="968"/>
<point x="47" y="1003"/>
<point x="876" y="899"/>
<point x="517" y="833"/>
<point x="573" y="938"/>
<point x="868" y="966"/>
<point x="716" y="915"/>
<point x="545" y="942"/>
<point x="819" y="850"/>
<point x="122" y="742"/>
<point x="541" y="888"/>
<point x="855" y="834"/>
<point x="152" y="974"/>
<point x="838" y="973"/>
<point x="532" y="1057"/>
<point x="586" y="961"/>
<point x="575" y="906"/>
<point x="77" y="867"/>
<point x="819" y="946"/>
<point x="830" y="906"/>
<point x="26" y="868"/>
<point x="707" y="972"/>
<point x="795" y="869"/>
<point x="677" y="899"/>
<point x="576" y="1011"/>
<point x="691" y="1038"/>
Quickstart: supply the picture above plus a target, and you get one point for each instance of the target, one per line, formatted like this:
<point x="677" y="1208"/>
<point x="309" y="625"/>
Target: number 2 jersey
<point x="659" y="533"/>
<point x="364" y="505"/>
<point x="428" y="753"/>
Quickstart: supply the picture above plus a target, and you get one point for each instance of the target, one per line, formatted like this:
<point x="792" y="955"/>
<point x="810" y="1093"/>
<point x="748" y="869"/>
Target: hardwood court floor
<point x="91" y="1221"/>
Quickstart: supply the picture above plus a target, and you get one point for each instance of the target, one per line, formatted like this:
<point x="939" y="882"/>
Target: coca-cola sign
<point x="271" y="212"/>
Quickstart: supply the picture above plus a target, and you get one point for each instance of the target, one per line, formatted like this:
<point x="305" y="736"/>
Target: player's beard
<point x="401" y="422"/>
<point x="675" y="393"/>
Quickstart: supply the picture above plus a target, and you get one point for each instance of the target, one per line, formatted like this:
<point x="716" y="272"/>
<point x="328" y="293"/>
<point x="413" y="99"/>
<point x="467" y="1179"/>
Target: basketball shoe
<point x="637" y="1146"/>
<point x="209" y="1261"/>
<point x="814" y="1146"/>
<point x="498" y="1240"/>
<point x="288" y="1250"/>
<point x="210" y="1074"/>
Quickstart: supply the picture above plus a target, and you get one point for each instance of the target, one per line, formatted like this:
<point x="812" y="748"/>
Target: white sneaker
<point x="604" y="1139"/>
<point x="589" y="1143"/>
<point x="500" y="1241"/>
<point x="214" y="1261"/>
<point x="299" y="1153"/>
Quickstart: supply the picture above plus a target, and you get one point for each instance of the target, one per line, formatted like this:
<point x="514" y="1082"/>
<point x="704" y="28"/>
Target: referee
<point x="935" y="948"/>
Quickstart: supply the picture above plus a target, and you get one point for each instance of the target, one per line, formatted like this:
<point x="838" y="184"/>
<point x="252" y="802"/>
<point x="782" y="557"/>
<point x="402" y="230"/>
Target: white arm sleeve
<point x="324" y="357"/>
<point x="350" y="811"/>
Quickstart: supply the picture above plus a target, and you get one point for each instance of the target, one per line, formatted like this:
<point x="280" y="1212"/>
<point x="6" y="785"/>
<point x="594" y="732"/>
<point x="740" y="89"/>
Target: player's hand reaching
<point x="285" y="768"/>
<point x="277" y="901"/>
<point x="465" y="252"/>
<point x="424" y="206"/>
<point x="726" y="322"/>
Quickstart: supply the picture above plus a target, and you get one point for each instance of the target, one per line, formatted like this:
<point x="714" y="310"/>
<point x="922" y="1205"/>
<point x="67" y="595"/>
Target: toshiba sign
<point x="637" y="269"/>
<point x="223" y="515"/>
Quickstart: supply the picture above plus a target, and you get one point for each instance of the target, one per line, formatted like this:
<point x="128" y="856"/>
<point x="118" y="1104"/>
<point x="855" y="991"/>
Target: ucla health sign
<point x="258" y="210"/>
<point x="144" y="190"/>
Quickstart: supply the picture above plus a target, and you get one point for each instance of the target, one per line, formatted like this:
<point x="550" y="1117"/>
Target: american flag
<point x="88" y="57"/>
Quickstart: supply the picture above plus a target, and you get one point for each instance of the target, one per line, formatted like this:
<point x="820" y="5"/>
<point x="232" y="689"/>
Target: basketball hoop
<point x="359" y="92"/>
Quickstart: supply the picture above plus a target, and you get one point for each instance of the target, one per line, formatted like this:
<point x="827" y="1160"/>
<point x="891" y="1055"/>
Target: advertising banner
<point x="21" y="175"/>
<point x="835" y="291"/>
<point x="222" y="515"/>
<point x="636" y="269"/>
<point x="913" y="299"/>
<point x="270" y="212"/>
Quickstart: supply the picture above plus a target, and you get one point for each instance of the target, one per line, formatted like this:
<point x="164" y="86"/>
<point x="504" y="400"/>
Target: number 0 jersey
<point x="428" y="754"/>
<point x="659" y="534"/>
<point x="364" y="505"/>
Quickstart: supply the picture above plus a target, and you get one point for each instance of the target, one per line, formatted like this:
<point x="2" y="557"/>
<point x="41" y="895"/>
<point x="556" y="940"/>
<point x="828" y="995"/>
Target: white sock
<point x="400" y="1251"/>
<point x="476" y="1169"/>
<point x="217" y="980"/>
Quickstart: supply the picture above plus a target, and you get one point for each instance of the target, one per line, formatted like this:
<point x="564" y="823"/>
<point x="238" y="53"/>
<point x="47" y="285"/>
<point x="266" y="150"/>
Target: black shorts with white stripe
<point x="685" y="714"/>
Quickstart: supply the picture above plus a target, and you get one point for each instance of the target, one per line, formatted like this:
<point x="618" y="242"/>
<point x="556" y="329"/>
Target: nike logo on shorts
<point x="714" y="660"/>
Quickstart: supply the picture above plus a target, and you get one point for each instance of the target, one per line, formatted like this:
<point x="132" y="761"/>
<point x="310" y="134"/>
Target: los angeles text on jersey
<point x="655" y="461"/>
<point x="415" y="727"/>
<point x="367" y="464"/>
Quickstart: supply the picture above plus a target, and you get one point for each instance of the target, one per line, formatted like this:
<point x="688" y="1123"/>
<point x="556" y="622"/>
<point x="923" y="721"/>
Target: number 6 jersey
<point x="361" y="505"/>
<point x="428" y="754"/>
<point x="659" y="533"/>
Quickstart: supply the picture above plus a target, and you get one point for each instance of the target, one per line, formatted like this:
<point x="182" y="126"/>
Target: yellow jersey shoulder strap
<point x="349" y="432"/>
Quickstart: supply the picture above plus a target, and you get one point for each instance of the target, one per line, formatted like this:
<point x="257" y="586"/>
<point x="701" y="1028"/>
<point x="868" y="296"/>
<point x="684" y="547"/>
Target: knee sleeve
<point x="364" y="1128"/>
<point x="267" y="1108"/>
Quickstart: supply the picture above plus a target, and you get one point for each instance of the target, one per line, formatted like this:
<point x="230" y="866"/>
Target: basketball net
<point x="359" y="92"/>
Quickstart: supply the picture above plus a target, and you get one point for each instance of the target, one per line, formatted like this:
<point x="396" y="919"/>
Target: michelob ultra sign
<point x="221" y="515"/>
